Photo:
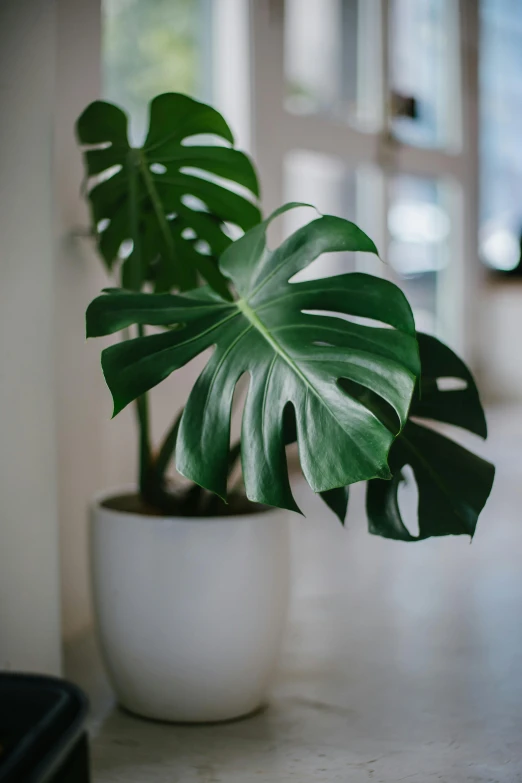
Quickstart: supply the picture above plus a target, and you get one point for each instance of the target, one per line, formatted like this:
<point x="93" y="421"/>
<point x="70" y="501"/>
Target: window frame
<point x="276" y="132"/>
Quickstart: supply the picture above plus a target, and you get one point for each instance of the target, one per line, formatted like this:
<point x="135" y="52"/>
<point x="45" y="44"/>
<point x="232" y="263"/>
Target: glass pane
<point x="501" y="121"/>
<point x="419" y="228"/>
<point x="423" y="70"/>
<point x="327" y="71"/>
<point x="325" y="182"/>
<point x="153" y="47"/>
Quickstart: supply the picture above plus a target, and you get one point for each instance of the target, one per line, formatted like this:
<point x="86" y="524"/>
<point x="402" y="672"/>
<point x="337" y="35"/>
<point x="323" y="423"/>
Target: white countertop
<point x="402" y="662"/>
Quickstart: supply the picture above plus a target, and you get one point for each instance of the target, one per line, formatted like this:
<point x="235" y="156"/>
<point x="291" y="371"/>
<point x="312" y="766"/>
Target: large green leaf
<point x="293" y="357"/>
<point x="453" y="484"/>
<point x="337" y="498"/>
<point x="146" y="195"/>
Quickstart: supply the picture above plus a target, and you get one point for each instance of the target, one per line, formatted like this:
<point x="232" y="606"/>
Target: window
<point x="327" y="70"/>
<point x="419" y="228"/>
<point x="501" y="123"/>
<point x="171" y="52"/>
<point x="361" y="105"/>
<point x="423" y="71"/>
<point x="331" y="186"/>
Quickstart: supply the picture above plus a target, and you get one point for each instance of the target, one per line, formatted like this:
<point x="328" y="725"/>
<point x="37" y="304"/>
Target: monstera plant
<point x="191" y="577"/>
<point x="350" y="394"/>
<point x="161" y="205"/>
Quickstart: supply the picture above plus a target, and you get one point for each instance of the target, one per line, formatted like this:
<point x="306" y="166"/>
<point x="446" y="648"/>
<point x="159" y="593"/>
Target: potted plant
<point x="191" y="584"/>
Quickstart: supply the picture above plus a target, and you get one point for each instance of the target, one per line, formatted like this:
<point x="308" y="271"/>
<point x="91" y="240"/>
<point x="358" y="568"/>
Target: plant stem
<point x="142" y="404"/>
<point x="142" y="410"/>
<point x="167" y="447"/>
<point x="160" y="216"/>
<point x="136" y="265"/>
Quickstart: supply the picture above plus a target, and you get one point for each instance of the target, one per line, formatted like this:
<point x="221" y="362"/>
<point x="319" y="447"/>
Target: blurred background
<point x="402" y="115"/>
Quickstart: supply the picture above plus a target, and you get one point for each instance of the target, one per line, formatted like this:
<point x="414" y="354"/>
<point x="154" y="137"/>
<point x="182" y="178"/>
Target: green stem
<point x="155" y="489"/>
<point x="163" y="224"/>
<point x="134" y="277"/>
<point x="134" y="281"/>
<point x="142" y="410"/>
<point x="166" y="450"/>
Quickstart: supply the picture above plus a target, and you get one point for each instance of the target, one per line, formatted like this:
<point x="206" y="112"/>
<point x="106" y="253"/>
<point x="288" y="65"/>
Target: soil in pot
<point x="183" y="504"/>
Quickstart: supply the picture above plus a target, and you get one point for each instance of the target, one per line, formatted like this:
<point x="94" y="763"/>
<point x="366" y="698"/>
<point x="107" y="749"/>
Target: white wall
<point x="29" y="585"/>
<point x="82" y="404"/>
<point x="94" y="453"/>
<point x="58" y="446"/>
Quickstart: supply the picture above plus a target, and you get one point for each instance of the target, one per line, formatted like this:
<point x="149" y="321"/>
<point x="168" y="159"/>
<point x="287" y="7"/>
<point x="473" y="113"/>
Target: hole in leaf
<point x="451" y="384"/>
<point x="380" y="408"/>
<point x="126" y="248"/>
<point x="203" y="247"/>
<point x="280" y="228"/>
<point x="192" y="171"/>
<point x="224" y="182"/>
<point x="194" y="203"/>
<point x="338" y="262"/>
<point x="232" y="231"/>
<point x="238" y="402"/>
<point x="354" y="319"/>
<point x="204" y="139"/>
<point x="158" y="168"/>
<point x="171" y="216"/>
<point x="102" y="225"/>
<point x="188" y="233"/>
<point x="293" y="463"/>
<point x="103" y="176"/>
<point x="289" y="424"/>
<point x="285" y="224"/>
<point x="101" y="145"/>
<point x="408" y="500"/>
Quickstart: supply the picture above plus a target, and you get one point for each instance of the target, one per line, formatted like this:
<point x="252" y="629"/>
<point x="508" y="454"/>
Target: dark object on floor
<point x="42" y="731"/>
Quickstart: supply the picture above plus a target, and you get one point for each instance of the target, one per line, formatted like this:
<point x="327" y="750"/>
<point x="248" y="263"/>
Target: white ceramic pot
<point x="190" y="611"/>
